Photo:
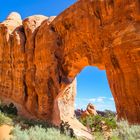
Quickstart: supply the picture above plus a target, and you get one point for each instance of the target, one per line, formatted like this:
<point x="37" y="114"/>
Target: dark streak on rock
<point x="59" y="41"/>
<point x="98" y="15"/>
<point x="67" y="24"/>
<point x="115" y="62"/>
<point x="53" y="28"/>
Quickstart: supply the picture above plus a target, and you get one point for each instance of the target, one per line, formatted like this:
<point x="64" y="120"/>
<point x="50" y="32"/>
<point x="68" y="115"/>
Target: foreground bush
<point x="31" y="129"/>
<point x="38" y="133"/>
<point x="8" y="109"/>
<point x="5" y="119"/>
<point x="107" y="128"/>
<point x="103" y="128"/>
<point x="30" y="122"/>
<point x="25" y="129"/>
<point x="99" y="123"/>
<point x="124" y="131"/>
<point x="66" y="129"/>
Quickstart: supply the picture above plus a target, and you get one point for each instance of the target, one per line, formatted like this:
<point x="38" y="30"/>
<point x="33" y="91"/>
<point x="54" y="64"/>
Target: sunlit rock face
<point x="41" y="56"/>
<point x="90" y="111"/>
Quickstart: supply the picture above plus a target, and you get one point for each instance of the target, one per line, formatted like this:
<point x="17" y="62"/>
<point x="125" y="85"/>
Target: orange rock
<point x="90" y="110"/>
<point x="40" y="57"/>
<point x="31" y="26"/>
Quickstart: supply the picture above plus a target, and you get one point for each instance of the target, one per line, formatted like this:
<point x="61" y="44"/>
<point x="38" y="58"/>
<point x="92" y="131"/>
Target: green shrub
<point x="124" y="131"/>
<point x="97" y="122"/>
<point x="109" y="114"/>
<point x="66" y="129"/>
<point x="5" y="119"/>
<point x="8" y="109"/>
<point x="38" y="133"/>
<point x="30" y="122"/>
<point x="99" y="136"/>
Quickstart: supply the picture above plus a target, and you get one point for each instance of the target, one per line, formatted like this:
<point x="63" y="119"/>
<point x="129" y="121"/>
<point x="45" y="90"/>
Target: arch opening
<point x="93" y="87"/>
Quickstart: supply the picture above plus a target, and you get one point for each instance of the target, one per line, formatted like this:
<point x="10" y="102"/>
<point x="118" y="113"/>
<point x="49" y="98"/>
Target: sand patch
<point x="5" y="132"/>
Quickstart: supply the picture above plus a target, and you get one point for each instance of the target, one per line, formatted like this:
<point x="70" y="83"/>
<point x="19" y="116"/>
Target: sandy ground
<point x="4" y="132"/>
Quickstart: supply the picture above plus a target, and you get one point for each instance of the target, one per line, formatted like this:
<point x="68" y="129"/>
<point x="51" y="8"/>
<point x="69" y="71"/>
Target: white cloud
<point x="99" y="99"/>
<point x="111" y="99"/>
<point x="105" y="105"/>
<point x="100" y="103"/>
<point x="92" y="99"/>
<point x="102" y="97"/>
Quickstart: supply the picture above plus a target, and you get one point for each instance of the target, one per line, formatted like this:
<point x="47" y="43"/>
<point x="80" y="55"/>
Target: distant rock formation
<point x="78" y="113"/>
<point x="40" y="57"/>
<point x="90" y="111"/>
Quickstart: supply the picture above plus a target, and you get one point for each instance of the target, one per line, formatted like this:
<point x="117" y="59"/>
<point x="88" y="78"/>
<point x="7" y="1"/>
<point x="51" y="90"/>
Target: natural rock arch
<point x="97" y="33"/>
<point x="40" y="58"/>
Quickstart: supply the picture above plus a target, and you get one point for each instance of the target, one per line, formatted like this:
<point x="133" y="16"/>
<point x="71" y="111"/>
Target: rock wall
<point x="41" y="56"/>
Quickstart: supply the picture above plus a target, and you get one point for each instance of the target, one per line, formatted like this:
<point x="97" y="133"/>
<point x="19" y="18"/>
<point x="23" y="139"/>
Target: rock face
<point x="40" y="57"/>
<point x="90" y="110"/>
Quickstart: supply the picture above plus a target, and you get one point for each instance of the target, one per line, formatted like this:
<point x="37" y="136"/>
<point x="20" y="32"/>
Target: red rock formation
<point x="40" y="58"/>
<point x="12" y="68"/>
<point x="90" y="110"/>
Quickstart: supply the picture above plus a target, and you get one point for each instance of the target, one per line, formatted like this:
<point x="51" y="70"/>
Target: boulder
<point x="90" y="111"/>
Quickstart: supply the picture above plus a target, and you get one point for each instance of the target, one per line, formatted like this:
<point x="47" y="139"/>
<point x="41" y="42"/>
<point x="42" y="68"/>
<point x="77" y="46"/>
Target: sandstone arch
<point x="39" y="58"/>
<point x="97" y="33"/>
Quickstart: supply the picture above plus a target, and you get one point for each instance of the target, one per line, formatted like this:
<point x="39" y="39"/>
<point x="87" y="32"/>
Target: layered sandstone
<point x="40" y="57"/>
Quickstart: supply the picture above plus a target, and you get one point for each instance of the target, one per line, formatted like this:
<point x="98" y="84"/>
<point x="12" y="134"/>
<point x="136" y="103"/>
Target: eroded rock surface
<point x="40" y="57"/>
<point x="90" y="111"/>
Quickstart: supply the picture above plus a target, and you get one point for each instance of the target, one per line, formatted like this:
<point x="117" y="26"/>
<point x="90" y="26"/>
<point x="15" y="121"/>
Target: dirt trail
<point x="5" y="131"/>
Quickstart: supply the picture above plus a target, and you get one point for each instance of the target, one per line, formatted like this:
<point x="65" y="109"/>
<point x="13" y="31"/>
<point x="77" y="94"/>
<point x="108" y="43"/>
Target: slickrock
<point x="40" y="57"/>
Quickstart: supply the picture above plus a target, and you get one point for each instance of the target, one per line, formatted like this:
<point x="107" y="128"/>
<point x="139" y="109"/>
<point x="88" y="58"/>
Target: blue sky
<point x="31" y="7"/>
<point x="93" y="87"/>
<point x="92" y="84"/>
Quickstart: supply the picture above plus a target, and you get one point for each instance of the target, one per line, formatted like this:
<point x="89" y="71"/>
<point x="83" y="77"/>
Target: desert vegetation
<point x="103" y="126"/>
<point x="106" y="127"/>
<point x="24" y="129"/>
